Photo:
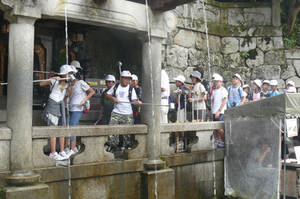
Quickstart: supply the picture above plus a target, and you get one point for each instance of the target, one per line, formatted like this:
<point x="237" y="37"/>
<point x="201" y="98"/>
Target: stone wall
<point x="241" y="40"/>
<point x="293" y="66"/>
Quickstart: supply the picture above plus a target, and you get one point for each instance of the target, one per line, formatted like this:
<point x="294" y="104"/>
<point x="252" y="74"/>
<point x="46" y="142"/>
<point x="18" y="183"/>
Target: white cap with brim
<point x="218" y="77"/>
<point x="273" y="83"/>
<point x="110" y="78"/>
<point x="76" y="64"/>
<point x="257" y="82"/>
<point x="134" y="77"/>
<point x="180" y="78"/>
<point x="65" y="69"/>
<point x="246" y="86"/>
<point x="126" y="73"/>
<point x="266" y="82"/>
<point x="292" y="83"/>
<point x="237" y="76"/>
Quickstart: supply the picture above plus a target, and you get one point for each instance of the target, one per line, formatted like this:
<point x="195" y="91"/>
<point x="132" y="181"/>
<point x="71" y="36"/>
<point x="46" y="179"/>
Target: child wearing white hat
<point x="257" y="94"/>
<point x="274" y="90"/>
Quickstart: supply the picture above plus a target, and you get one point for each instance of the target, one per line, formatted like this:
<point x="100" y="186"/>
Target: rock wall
<point x="241" y="40"/>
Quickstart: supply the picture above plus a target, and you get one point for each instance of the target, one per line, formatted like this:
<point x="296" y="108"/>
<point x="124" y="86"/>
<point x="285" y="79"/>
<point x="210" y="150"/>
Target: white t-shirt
<point x="58" y="91"/>
<point x="199" y="88"/>
<point x="165" y="84"/>
<point x="217" y="96"/>
<point x="122" y="96"/>
<point x="79" y="93"/>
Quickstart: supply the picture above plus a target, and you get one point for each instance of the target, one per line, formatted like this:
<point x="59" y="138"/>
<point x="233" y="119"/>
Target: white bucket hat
<point x="126" y="73"/>
<point x="73" y="69"/>
<point x="292" y="83"/>
<point x="134" y="77"/>
<point x="218" y="77"/>
<point x="257" y="82"/>
<point x="110" y="78"/>
<point x="180" y="78"/>
<point x="246" y="86"/>
<point x="291" y="90"/>
<point x="65" y="69"/>
<point x="273" y="83"/>
<point x="76" y="64"/>
<point x="266" y="82"/>
<point x="237" y="76"/>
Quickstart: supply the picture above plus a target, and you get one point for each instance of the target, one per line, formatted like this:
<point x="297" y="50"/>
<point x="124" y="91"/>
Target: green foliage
<point x="244" y="55"/>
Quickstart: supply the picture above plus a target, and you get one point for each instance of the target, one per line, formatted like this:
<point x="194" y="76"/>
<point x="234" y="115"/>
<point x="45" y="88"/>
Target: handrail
<point x="87" y="130"/>
<point x="191" y="126"/>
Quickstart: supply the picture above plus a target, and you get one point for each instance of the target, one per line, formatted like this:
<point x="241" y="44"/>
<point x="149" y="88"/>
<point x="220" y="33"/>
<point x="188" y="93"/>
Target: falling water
<point x="151" y="79"/>
<point x="209" y="78"/>
<point x="67" y="103"/>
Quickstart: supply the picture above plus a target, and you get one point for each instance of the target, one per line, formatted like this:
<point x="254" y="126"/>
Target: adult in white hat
<point x="106" y="106"/>
<point x="257" y="94"/>
<point x="236" y="95"/>
<point x="219" y="100"/>
<point x="122" y="94"/>
<point x="265" y="89"/>
<point x="55" y="108"/>
<point x="274" y="88"/>
<point x="290" y="87"/>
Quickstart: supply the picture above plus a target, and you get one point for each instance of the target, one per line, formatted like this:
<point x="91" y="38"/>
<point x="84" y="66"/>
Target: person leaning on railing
<point x="55" y="108"/>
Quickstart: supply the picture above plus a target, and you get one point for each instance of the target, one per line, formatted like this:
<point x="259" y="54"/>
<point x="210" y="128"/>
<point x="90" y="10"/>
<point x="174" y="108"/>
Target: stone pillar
<point x="151" y="114"/>
<point x="19" y="104"/>
<point x="276" y="20"/>
<point x="157" y="183"/>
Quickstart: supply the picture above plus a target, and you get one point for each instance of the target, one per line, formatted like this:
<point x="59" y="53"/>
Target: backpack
<point x="129" y="92"/>
<point x="239" y="89"/>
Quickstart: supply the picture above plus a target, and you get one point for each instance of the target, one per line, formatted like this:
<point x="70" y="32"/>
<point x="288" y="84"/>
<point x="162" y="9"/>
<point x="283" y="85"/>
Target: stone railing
<point x="203" y="131"/>
<point x="94" y="137"/>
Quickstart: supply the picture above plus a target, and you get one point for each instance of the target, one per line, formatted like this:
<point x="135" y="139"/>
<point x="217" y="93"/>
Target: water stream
<point x="204" y="3"/>
<point x="151" y="79"/>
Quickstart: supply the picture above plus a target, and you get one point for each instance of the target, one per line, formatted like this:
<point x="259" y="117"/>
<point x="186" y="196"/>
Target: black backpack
<point x="129" y="92"/>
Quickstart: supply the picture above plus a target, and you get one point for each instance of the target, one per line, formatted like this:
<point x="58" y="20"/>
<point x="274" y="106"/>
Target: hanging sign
<point x="291" y="127"/>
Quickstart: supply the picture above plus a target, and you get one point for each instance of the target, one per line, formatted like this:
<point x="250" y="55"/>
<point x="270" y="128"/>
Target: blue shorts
<point x="74" y="120"/>
<point x="221" y="117"/>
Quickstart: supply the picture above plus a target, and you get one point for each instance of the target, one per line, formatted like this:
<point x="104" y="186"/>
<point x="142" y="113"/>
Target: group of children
<point x="121" y="102"/>
<point x="218" y="99"/>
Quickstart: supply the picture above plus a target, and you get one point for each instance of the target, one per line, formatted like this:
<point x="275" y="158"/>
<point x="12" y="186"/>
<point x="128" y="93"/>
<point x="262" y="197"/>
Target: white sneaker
<point x="76" y="149"/>
<point x="71" y="152"/>
<point x="64" y="155"/>
<point x="56" y="156"/>
<point x="66" y="150"/>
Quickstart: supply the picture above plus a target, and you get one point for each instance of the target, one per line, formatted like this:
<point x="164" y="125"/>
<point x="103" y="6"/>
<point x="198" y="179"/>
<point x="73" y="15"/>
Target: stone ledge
<point x="54" y="174"/>
<point x="27" y="192"/>
<point x="5" y="133"/>
<point x="193" y="158"/>
<point x="238" y="4"/>
<point x="87" y="131"/>
<point x="190" y="126"/>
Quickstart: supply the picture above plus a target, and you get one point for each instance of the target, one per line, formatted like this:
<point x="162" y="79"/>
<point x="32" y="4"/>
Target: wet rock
<point x="247" y="44"/>
<point x="249" y="16"/>
<point x="173" y="72"/>
<point x="288" y="72"/>
<point x="265" y="43"/>
<point x="255" y="58"/>
<point x="297" y="66"/>
<point x="230" y="45"/>
<point x="267" y="72"/>
<point x="185" y="38"/>
<point x="214" y="43"/>
<point x="278" y="42"/>
<point x="177" y="56"/>
<point x="275" y="57"/>
<point x="196" y="57"/>
<point x="292" y="54"/>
